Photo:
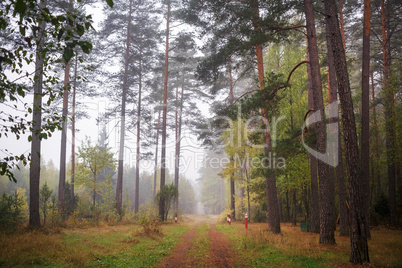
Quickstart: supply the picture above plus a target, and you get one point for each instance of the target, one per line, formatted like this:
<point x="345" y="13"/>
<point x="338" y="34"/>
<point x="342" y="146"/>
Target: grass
<point x="201" y="244"/>
<point x="127" y="246"/>
<point x="294" y="248"/>
<point x="112" y="246"/>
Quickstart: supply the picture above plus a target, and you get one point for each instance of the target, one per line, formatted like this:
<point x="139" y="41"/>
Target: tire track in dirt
<point x="178" y="257"/>
<point x="220" y="254"/>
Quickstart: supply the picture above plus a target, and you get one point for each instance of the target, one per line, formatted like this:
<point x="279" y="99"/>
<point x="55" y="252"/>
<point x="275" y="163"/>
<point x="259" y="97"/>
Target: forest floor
<point x="196" y="241"/>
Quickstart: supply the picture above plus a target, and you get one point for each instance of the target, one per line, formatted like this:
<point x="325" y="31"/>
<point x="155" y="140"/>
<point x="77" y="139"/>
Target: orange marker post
<point x="246" y="218"/>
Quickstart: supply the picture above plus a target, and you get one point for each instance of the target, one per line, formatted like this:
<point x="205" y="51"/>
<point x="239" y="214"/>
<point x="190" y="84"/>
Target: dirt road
<point x="202" y="246"/>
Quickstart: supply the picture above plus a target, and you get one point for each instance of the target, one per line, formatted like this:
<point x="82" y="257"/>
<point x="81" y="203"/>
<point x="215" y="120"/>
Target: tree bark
<point x="272" y="201"/>
<point x="333" y="97"/>
<point x="365" y="117"/>
<point x="119" y="186"/>
<point x="327" y="187"/>
<point x="232" y="182"/>
<point x="389" y="110"/>
<point x="164" y="115"/>
<point x="34" y="171"/>
<point x="315" y="203"/>
<point x="62" y="175"/>
<point x="73" y="133"/>
<point x="359" y="247"/>
<point x="376" y="141"/>
<point x="156" y="152"/>
<point x="137" y="159"/>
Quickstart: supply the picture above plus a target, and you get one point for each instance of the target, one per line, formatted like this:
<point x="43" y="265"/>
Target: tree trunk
<point x="365" y="122"/>
<point x="248" y="178"/>
<point x="164" y="115"/>
<point x="327" y="187"/>
<point x="376" y="141"/>
<point x="34" y="171"/>
<point x="333" y="97"/>
<point x="137" y="159"/>
<point x="294" y="207"/>
<point x="315" y="203"/>
<point x="359" y="247"/>
<point x="232" y="183"/>
<point x="63" y="149"/>
<point x="119" y="186"/>
<point x="178" y="146"/>
<point x="342" y="24"/>
<point x="389" y="110"/>
<point x="73" y="134"/>
<point x="272" y="201"/>
<point x="62" y="175"/>
<point x="156" y="152"/>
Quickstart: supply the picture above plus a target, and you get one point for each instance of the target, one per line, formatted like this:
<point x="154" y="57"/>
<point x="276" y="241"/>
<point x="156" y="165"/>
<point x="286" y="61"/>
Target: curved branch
<point x="294" y="69"/>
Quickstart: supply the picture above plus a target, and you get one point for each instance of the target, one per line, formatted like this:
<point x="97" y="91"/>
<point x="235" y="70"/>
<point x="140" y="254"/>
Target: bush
<point x="148" y="219"/>
<point x="11" y="211"/>
<point x="167" y="196"/>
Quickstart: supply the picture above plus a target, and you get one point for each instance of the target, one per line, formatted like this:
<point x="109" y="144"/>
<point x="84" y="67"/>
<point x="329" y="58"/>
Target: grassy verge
<point x="112" y="246"/>
<point x="293" y="248"/>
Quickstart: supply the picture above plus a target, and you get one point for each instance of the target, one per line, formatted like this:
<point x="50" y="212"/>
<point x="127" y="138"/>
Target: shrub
<point x="148" y="219"/>
<point x="11" y="211"/>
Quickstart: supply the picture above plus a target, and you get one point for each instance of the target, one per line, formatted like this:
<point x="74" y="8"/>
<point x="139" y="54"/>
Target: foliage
<point x="44" y="198"/>
<point x="93" y="161"/>
<point x="19" y="42"/>
<point x="148" y="219"/>
<point x="167" y="195"/>
<point x="11" y="211"/>
<point x="108" y="205"/>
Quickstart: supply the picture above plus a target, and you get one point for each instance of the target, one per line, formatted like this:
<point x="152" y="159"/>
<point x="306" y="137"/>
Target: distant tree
<point x="45" y="194"/>
<point x="93" y="161"/>
<point x="167" y="195"/>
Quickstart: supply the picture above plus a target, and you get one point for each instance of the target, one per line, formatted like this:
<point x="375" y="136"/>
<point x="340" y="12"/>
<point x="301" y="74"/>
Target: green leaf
<point x="30" y="138"/>
<point x="80" y="30"/>
<point x="43" y="136"/>
<point x="109" y="2"/>
<point x="20" y="8"/>
<point x="86" y="46"/>
<point x="68" y="54"/>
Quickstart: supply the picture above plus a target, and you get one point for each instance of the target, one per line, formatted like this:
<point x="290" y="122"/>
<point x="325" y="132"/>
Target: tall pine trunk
<point x="119" y="186"/>
<point x="365" y="120"/>
<point x="137" y="158"/>
<point x="376" y="146"/>
<point x="164" y="116"/>
<point x="34" y="171"/>
<point x="274" y="224"/>
<point x="333" y="97"/>
<point x="73" y="133"/>
<point x="62" y="174"/>
<point x="358" y="239"/>
<point x="63" y="145"/>
<point x="231" y="179"/>
<point x="389" y="110"/>
<point x="156" y="152"/>
<point x="327" y="187"/>
<point x="315" y="203"/>
<point x="179" y="117"/>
